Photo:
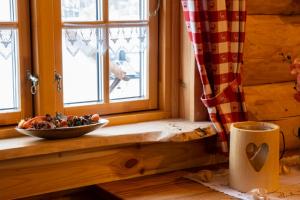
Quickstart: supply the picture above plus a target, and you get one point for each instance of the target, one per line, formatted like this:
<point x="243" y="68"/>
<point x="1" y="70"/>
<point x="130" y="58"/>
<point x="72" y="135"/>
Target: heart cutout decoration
<point x="257" y="156"/>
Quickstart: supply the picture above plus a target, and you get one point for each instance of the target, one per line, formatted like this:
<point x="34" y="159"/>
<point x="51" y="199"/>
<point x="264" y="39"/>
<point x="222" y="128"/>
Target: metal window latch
<point x="58" y="79"/>
<point x="34" y="81"/>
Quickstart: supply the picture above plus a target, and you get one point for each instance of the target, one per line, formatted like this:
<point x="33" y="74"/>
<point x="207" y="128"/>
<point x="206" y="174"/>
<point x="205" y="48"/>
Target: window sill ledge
<point x="172" y="130"/>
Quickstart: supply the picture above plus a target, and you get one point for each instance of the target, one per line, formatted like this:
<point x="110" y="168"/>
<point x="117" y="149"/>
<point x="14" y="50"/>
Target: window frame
<point x="108" y="107"/>
<point x="24" y="56"/>
<point x="168" y="58"/>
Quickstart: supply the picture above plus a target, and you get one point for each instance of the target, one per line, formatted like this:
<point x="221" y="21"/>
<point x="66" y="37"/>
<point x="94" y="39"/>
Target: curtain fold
<point x="217" y="31"/>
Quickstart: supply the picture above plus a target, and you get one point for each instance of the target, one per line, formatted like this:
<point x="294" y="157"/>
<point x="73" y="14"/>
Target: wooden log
<point x="290" y="127"/>
<point x="273" y="7"/>
<point x="275" y="103"/>
<point x="60" y="171"/>
<point x="265" y="71"/>
<point x="266" y="38"/>
<point x="272" y="102"/>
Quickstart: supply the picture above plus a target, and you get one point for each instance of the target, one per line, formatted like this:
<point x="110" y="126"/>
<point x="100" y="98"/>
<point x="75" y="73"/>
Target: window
<point x="106" y="46"/>
<point x="14" y="58"/>
<point x="88" y="56"/>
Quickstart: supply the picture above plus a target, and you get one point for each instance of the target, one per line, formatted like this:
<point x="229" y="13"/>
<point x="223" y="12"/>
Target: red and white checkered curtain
<point x="217" y="31"/>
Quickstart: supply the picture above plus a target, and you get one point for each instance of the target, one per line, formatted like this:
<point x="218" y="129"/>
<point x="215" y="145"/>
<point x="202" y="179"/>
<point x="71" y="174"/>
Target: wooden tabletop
<point x="162" y="187"/>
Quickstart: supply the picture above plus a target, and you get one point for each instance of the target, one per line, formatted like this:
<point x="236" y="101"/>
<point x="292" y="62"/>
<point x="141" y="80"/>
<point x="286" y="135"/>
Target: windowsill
<point x="172" y="130"/>
<point x="117" y="119"/>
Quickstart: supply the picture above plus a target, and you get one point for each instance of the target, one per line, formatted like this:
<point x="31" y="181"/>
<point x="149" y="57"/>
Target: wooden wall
<point x="27" y="176"/>
<point x="273" y="27"/>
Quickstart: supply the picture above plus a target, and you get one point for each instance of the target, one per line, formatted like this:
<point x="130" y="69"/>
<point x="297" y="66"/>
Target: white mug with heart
<point x="254" y="156"/>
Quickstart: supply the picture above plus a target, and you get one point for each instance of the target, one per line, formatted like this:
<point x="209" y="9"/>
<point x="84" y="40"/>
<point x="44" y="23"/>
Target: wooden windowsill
<point x="117" y="119"/>
<point x="173" y="130"/>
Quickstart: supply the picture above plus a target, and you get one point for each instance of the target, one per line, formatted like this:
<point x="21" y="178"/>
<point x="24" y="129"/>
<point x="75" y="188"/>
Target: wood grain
<point x="275" y="103"/>
<point x="271" y="101"/>
<point x="289" y="127"/>
<point x="273" y="7"/>
<point x="43" y="25"/>
<point x="101" y="138"/>
<point x="167" y="56"/>
<point x="162" y="187"/>
<point x="8" y="132"/>
<point x="190" y="89"/>
<point x="42" y="174"/>
<point x="265" y="71"/>
<point x="273" y="26"/>
<point x="267" y="37"/>
<point x="176" y="7"/>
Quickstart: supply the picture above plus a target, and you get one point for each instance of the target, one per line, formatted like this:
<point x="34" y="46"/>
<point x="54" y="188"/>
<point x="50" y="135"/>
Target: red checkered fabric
<point x="217" y="31"/>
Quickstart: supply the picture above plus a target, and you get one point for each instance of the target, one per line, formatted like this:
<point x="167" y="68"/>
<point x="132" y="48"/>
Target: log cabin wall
<point x="273" y="27"/>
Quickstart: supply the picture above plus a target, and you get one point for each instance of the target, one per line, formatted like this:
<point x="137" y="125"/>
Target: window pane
<point x="128" y="62"/>
<point x="80" y="10"/>
<point x="7" y="10"/>
<point x="82" y="65"/>
<point x="9" y="85"/>
<point x="122" y="10"/>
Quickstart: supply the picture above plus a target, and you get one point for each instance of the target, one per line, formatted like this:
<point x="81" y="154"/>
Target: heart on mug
<point x="257" y="156"/>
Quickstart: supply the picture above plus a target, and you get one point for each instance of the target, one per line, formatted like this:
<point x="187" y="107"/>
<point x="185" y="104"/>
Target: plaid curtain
<point x="217" y="31"/>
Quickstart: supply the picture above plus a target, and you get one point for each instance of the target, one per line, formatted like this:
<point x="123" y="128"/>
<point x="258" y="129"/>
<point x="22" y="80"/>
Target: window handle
<point x="34" y="81"/>
<point x="58" y="79"/>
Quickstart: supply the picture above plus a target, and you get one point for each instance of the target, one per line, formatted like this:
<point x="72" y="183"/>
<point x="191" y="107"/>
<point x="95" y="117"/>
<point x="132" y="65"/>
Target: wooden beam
<point x="289" y="127"/>
<point x="273" y="7"/>
<point x="176" y="7"/>
<point x="272" y="101"/>
<point x="190" y="89"/>
<point x="168" y="57"/>
<point x="267" y="37"/>
<point x="276" y="103"/>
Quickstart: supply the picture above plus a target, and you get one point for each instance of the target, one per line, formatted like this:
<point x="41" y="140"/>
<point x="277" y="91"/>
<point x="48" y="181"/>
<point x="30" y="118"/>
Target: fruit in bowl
<point x="59" y="121"/>
<point x="60" y="126"/>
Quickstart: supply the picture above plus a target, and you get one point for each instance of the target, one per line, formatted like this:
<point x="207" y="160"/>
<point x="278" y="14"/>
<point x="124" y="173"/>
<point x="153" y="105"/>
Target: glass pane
<point x="123" y="10"/>
<point x="7" y="10"/>
<point x="82" y="65"/>
<point x="9" y="74"/>
<point x="128" y="62"/>
<point x="80" y="10"/>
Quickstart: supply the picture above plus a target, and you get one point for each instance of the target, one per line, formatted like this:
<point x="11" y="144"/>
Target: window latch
<point x="58" y="79"/>
<point x="34" y="81"/>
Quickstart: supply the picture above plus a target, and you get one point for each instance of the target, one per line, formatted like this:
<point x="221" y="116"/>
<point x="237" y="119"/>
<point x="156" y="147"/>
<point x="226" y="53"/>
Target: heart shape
<point x="257" y="156"/>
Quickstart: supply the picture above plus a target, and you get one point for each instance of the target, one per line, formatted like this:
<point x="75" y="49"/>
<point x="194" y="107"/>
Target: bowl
<point x="63" y="132"/>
